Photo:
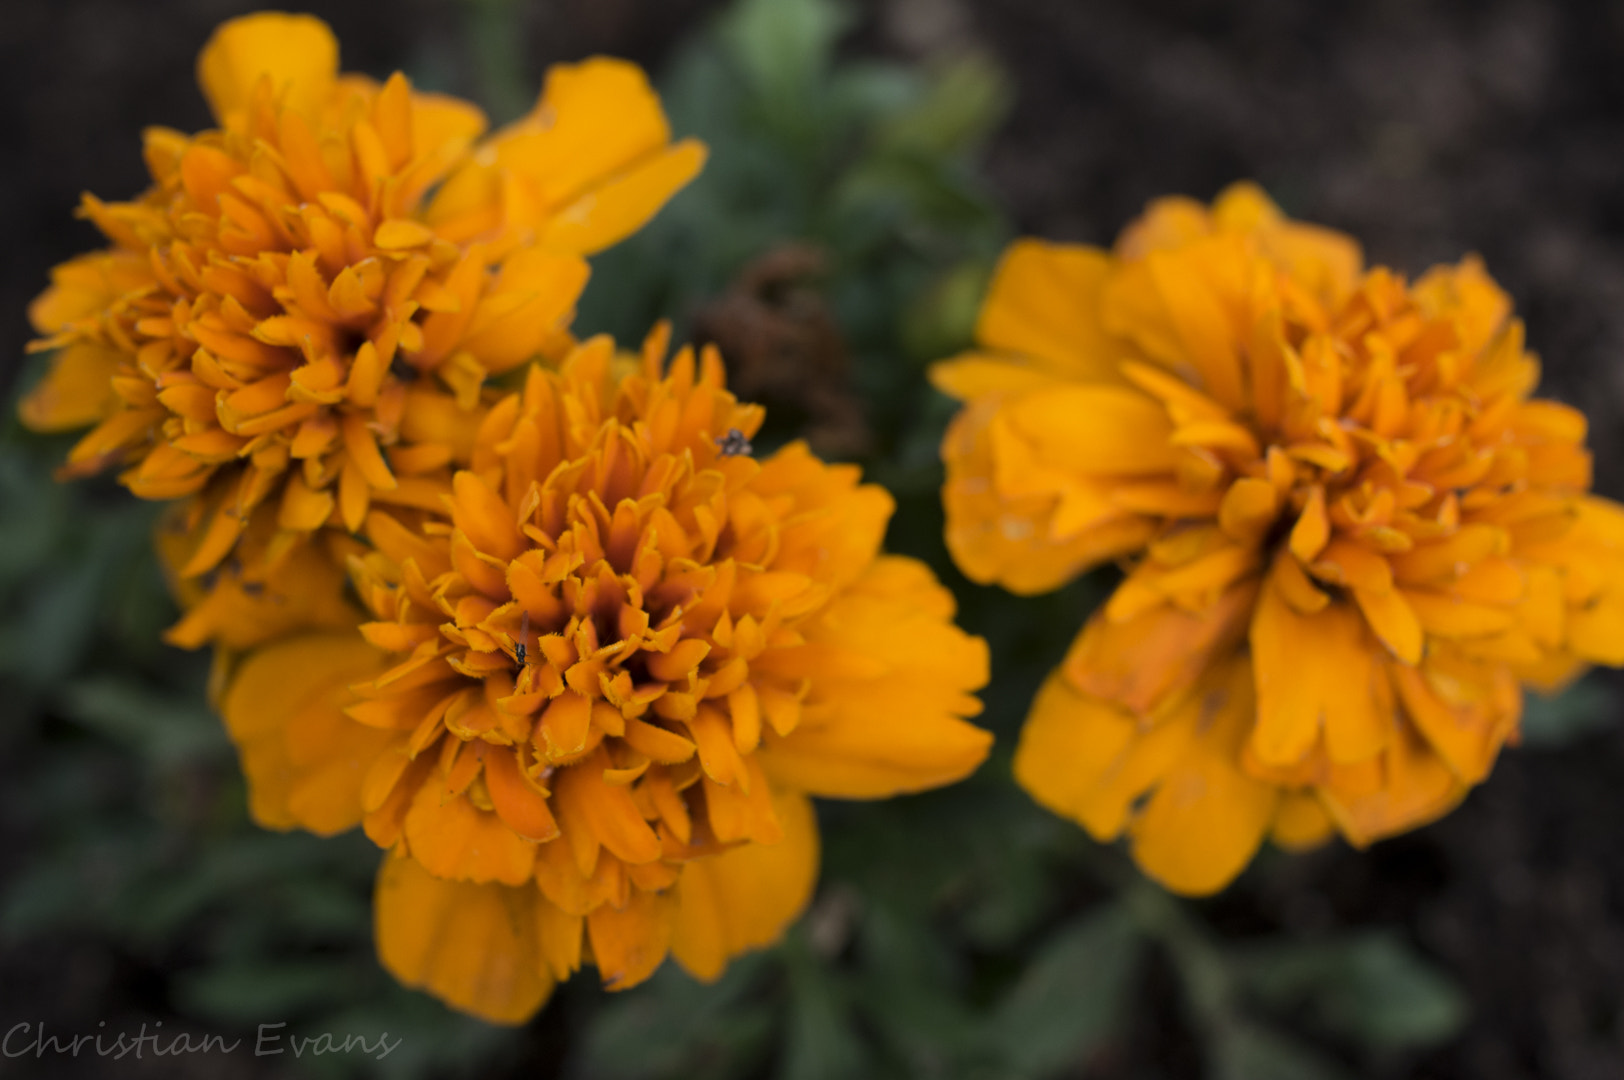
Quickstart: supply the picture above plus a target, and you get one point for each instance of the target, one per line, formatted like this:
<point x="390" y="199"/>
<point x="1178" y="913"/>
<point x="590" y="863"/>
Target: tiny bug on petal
<point x="519" y="651"/>
<point x="734" y="444"/>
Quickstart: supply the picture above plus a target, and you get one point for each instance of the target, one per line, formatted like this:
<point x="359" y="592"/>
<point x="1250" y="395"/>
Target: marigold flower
<point x="590" y="706"/>
<point x="298" y="318"/>
<point x="1348" y="532"/>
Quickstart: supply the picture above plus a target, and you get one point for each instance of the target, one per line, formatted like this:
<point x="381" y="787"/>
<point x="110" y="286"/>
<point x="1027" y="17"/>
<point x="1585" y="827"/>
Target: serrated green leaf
<point x="1372" y="988"/>
<point x="1066" y="1000"/>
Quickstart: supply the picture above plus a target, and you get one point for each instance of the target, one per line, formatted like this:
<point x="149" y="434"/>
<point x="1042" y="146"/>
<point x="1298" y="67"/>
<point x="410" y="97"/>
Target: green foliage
<point x="1585" y="708"/>
<point x="1070" y="996"/>
<point x="672" y="1028"/>
<point x="1369" y="989"/>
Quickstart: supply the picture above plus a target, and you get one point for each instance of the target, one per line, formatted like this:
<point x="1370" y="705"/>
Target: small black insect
<point x="400" y="369"/>
<point x="519" y="651"/>
<point x="733" y="444"/>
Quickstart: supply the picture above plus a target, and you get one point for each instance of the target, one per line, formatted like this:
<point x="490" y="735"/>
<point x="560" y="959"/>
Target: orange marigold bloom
<point x="591" y="704"/>
<point x="1349" y="534"/>
<point x="298" y="318"/>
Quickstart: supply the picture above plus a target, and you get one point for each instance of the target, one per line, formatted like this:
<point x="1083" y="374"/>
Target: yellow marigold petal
<point x="516" y="802"/>
<point x="1325" y="261"/>
<point x="598" y="131"/>
<point x="77" y="390"/>
<point x="1416" y="787"/>
<point x="1393" y="620"/>
<point x="1447" y="616"/>
<point x="629" y="943"/>
<point x="1014" y="540"/>
<point x="298" y="53"/>
<point x="1168" y="223"/>
<point x="597" y="118"/>
<point x="1596" y="631"/>
<point x="1043" y="305"/>
<point x="1348" y="562"/>
<point x="84" y="285"/>
<point x="1300" y="822"/>
<point x="304" y="759"/>
<point x="532" y="301"/>
<point x="1468" y="721"/>
<point x="473" y="946"/>
<point x="976" y="375"/>
<point x="1145" y="661"/>
<point x="1315" y="676"/>
<point x="613" y="211"/>
<point x="1313" y="528"/>
<point x="560" y="936"/>
<point x="1176" y="306"/>
<point x="900" y="728"/>
<point x="454" y="839"/>
<point x="1248" y="509"/>
<point x="1095" y="429"/>
<point x="1207" y="817"/>
<point x="1088" y="760"/>
<point x="743" y="899"/>
<point x="484" y="517"/>
<point x="607" y="809"/>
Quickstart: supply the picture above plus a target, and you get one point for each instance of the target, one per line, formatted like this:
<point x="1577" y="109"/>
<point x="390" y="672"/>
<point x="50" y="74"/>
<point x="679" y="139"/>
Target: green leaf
<point x="47" y="638"/>
<point x="1249" y="1052"/>
<point x="783" y="46"/>
<point x="911" y="991"/>
<point x="1065" y="1002"/>
<point x="965" y="101"/>
<point x="941" y="320"/>
<point x="165" y="728"/>
<point x="1372" y="988"/>
<point x="821" y="1043"/>
<point x="1585" y="708"/>
<point x="428" y="1039"/>
<point x="674" y="1027"/>
<point x="257" y="989"/>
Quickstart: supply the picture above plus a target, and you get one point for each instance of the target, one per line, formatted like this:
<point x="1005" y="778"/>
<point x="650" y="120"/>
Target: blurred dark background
<point x="1428" y="129"/>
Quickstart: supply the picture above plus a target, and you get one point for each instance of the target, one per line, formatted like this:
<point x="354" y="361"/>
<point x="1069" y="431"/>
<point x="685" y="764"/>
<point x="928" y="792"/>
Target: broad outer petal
<point x="303" y="758"/>
<point x="474" y="946"/>
<point x="744" y="898"/>
<point x="1043" y="305"/>
<point x="76" y="392"/>
<point x="898" y="727"/>
<point x="1207" y="817"/>
<point x="297" y="52"/>
<point x="1011" y="540"/>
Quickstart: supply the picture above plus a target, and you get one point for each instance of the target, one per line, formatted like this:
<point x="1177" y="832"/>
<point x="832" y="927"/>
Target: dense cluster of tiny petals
<point x="298" y="319"/>
<point x="594" y="693"/>
<point x="1349" y="533"/>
